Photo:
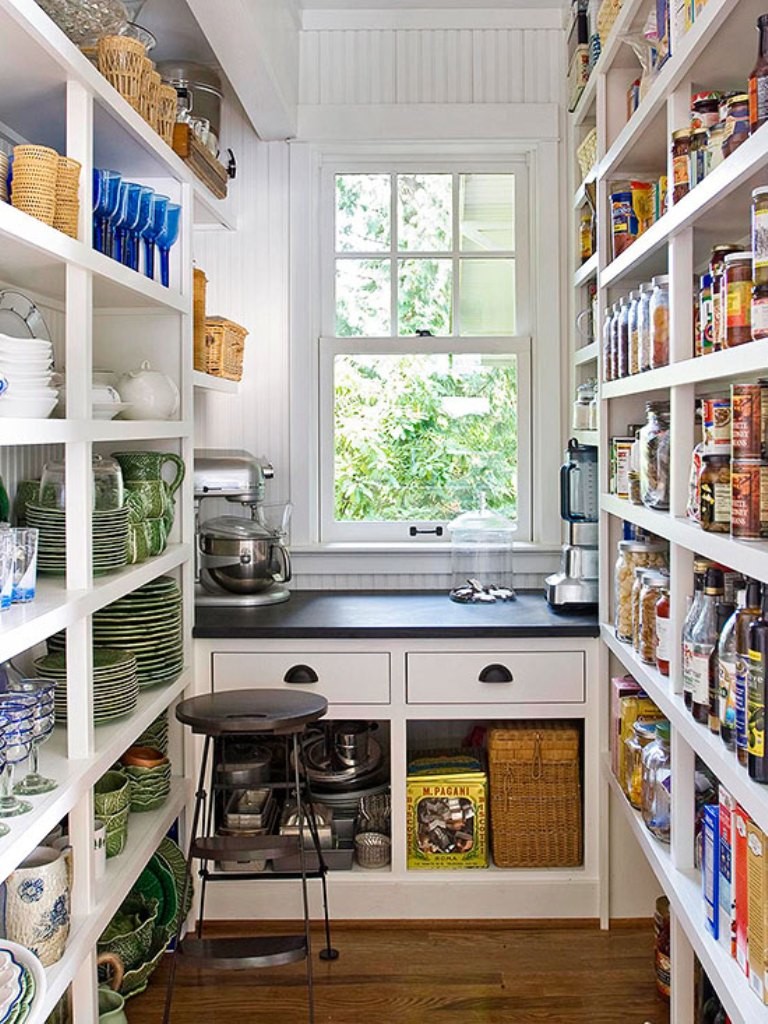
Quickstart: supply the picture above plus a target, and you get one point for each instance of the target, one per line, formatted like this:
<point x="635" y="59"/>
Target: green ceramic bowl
<point x="129" y="934"/>
<point x="111" y="793"/>
<point x="116" y="826"/>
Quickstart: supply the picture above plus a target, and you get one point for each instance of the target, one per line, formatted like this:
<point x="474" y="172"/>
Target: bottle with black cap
<point x="756" y="685"/>
<point x="745" y="617"/>
<point x="703" y="644"/>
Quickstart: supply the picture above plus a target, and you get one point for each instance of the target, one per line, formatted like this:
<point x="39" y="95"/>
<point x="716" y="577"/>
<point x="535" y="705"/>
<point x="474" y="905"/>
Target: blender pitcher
<point x="481" y="556"/>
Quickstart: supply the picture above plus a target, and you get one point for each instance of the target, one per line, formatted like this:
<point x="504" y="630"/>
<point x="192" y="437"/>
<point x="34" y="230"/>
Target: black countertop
<point x="349" y="614"/>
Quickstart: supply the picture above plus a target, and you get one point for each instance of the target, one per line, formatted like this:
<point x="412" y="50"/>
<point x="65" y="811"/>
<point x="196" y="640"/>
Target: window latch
<point x="424" y="334"/>
<point x="414" y="530"/>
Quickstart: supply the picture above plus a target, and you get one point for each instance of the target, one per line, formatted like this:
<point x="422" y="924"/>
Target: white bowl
<point x="26" y="408"/>
<point x="17" y="390"/>
<point x="34" y="346"/>
<point x="43" y="379"/>
<point x="24" y="365"/>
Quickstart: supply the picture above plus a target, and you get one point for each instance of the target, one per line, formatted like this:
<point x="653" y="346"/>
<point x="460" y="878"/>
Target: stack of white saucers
<point x="25" y="375"/>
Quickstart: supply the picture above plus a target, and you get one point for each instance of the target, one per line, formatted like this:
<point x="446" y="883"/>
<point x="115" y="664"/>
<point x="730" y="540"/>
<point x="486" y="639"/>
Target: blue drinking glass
<point x="108" y="201"/>
<point x="152" y="230"/>
<point x="95" y="203"/>
<point x="166" y="239"/>
<point x="146" y="204"/>
<point x="125" y="218"/>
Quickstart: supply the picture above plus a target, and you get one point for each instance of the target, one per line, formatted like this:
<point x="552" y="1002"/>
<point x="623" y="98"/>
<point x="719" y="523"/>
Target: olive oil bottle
<point x="756" y="685"/>
<point x="746" y="616"/>
<point x="703" y="646"/>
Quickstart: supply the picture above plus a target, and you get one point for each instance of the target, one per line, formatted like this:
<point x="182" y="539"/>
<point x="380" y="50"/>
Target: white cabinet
<point x="353" y="678"/>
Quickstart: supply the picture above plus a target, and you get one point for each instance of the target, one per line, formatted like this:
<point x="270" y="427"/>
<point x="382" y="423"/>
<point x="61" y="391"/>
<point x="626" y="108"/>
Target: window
<point x="424" y="356"/>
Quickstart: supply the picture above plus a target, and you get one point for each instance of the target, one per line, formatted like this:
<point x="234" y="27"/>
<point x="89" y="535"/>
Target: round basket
<point x="167" y="98"/>
<point x="150" y="88"/>
<point x="67" y="196"/>
<point x="122" y="62"/>
<point x="33" y="187"/>
<point x="372" y="849"/>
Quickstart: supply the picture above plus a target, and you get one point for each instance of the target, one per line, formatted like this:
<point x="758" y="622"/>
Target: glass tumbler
<point x="24" y="565"/>
<point x="42" y="726"/>
<point x="6" y="567"/>
<point x="18" y="711"/>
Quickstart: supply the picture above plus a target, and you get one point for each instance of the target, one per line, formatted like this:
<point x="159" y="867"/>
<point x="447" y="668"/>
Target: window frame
<point x="330" y="530"/>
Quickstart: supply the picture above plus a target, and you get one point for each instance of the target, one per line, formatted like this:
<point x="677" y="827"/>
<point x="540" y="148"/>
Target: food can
<point x="749" y="499"/>
<point x="716" y="423"/>
<point x="749" y="415"/>
<point x="622" y="459"/>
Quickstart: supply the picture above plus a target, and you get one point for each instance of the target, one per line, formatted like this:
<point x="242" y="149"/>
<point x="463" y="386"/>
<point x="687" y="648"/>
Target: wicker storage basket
<point x="67" y="196"/>
<point x="167" y="98"/>
<point x="224" y="346"/>
<point x="122" y="61"/>
<point x="535" y="794"/>
<point x="150" y="90"/>
<point x="33" y="186"/>
<point x="199" y="283"/>
<point x="586" y="154"/>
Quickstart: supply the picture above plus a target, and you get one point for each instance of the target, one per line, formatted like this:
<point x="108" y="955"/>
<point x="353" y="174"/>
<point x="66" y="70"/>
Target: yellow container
<point x="447" y="819"/>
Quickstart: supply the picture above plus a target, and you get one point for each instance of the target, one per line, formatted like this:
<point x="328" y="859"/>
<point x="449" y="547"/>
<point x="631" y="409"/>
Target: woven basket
<point x="224" y="346"/>
<point x="122" y="61"/>
<point x="35" y="169"/>
<point x="167" y="98"/>
<point x="586" y="154"/>
<point x="67" y="196"/>
<point x="535" y="794"/>
<point x="150" y="88"/>
<point x="200" y="282"/>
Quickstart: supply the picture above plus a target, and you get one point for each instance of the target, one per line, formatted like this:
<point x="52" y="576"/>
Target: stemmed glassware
<point x="105" y="208"/>
<point x="151" y="231"/>
<point x="125" y="218"/>
<point x="166" y="239"/>
<point x="18" y="709"/>
<point x="146" y="206"/>
<point x="42" y="727"/>
<point x="4" y="830"/>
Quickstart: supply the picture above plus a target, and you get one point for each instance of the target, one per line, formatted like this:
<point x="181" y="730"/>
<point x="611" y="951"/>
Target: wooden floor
<point x="433" y="975"/>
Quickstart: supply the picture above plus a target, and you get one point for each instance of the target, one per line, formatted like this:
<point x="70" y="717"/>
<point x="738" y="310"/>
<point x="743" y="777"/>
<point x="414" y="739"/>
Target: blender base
<point x="275" y="595"/>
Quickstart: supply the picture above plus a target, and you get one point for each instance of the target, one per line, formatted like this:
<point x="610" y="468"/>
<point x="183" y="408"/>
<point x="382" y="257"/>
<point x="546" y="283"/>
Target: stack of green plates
<point x="156" y="734"/>
<point x="109" y="539"/>
<point x="115" y="686"/>
<point x="148" y="623"/>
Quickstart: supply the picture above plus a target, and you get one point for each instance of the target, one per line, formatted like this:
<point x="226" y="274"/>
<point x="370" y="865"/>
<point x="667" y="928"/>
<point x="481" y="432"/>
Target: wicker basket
<point x="198" y="316"/>
<point x="122" y="61"/>
<point x="150" y="88"/>
<point x="33" y="186"/>
<point x="167" y="98"/>
<point x="535" y="794"/>
<point x="67" y="196"/>
<point x="224" y="346"/>
<point x="586" y="154"/>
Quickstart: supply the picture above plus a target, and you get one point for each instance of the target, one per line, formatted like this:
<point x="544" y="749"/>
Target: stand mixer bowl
<point x="241" y="556"/>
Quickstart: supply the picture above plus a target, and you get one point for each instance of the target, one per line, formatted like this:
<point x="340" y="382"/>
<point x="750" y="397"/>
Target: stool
<point x="243" y="713"/>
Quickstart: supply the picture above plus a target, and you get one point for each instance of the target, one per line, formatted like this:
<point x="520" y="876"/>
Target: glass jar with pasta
<point x="631" y="555"/>
<point x="654" y="456"/>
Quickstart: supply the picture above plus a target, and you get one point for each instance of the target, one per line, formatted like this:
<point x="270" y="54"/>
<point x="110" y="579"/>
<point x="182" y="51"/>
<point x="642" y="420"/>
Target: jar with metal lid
<point x="705" y="109"/>
<point x="623" y="349"/>
<point x="759" y="312"/>
<point x="715" y="137"/>
<point x="580" y="416"/>
<point x="607" y="333"/>
<point x="704" y="326"/>
<point x="657" y="783"/>
<point x="737" y="289"/>
<point x="631" y="555"/>
<point x="643" y="733"/>
<point x="637" y="586"/>
<point x="634" y="331"/>
<point x="586" y="234"/>
<point x="644" y="326"/>
<point x="716" y="269"/>
<point x="681" y="164"/>
<point x="760" y="236"/>
<point x="659" y="316"/>
<point x="715" y="493"/>
<point x="654" y="456"/>
<point x="652" y="584"/>
<point x="698" y="156"/>
<point x="662" y="632"/>
<point x="736" y="123"/>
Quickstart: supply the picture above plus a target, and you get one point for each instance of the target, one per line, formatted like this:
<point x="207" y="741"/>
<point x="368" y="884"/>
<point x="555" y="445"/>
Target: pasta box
<point x="446" y="798"/>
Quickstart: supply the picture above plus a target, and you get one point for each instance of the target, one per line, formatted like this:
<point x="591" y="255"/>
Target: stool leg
<point x="199" y="802"/>
<point x="303" y="862"/>
<point x="328" y="952"/>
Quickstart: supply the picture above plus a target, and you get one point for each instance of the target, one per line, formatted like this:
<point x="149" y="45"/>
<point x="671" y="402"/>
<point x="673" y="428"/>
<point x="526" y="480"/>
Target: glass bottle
<point x="725" y="612"/>
<point x="623" y="350"/>
<point x="744" y="619"/>
<point x="659" y="314"/>
<point x="700" y="567"/>
<point x="615" y="341"/>
<point x="634" y="331"/>
<point x="758" y="79"/>
<point x="642" y="734"/>
<point x="607" y="327"/>
<point x="652" y="585"/>
<point x="757" y="753"/>
<point x="726" y="675"/>
<point x="703" y="639"/>
<point x="654" y="456"/>
<point x="657" y="784"/>
<point x="662" y="633"/>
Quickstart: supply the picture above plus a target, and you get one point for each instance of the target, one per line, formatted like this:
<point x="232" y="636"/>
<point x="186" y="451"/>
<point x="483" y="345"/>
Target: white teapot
<point x="152" y="395"/>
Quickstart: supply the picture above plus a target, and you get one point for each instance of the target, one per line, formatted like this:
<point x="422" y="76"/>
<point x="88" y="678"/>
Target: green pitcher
<point x="143" y="473"/>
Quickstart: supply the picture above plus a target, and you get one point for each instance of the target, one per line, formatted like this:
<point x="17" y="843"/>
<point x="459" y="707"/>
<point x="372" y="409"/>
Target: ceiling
<point x="393" y="5"/>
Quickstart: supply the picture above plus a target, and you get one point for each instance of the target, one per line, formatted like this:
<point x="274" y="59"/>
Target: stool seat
<point x="280" y="712"/>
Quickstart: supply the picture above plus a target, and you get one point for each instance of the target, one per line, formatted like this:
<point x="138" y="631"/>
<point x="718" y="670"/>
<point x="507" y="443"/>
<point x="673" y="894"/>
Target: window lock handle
<point x="414" y="531"/>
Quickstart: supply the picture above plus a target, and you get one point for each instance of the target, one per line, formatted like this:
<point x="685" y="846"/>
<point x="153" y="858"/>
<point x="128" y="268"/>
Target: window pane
<point x="424" y="296"/>
<point x="487" y="212"/>
<point x="362" y="212"/>
<point x="487" y="297"/>
<point x="362" y="298"/>
<point x="419" y="436"/>
<point x="424" y="214"/>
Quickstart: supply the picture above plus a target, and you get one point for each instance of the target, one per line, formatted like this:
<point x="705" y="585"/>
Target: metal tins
<point x="716" y="424"/>
<point x="749" y="413"/>
<point x="749" y="499"/>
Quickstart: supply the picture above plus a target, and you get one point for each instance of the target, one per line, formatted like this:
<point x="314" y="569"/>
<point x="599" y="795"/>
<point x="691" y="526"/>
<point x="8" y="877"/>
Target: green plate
<point x="170" y="852"/>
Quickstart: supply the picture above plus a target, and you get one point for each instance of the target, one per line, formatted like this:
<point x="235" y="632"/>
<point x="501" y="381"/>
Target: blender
<point x="575" y="587"/>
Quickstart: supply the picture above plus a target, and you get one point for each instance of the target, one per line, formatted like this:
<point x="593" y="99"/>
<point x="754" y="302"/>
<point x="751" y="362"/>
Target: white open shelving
<point x="208" y="382"/>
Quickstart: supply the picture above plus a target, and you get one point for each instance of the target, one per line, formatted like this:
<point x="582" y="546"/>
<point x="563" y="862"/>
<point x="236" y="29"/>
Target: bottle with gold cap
<point x="744" y="619"/>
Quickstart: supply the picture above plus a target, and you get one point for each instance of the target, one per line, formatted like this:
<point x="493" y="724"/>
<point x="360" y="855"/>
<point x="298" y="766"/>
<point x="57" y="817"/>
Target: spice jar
<point x="652" y="584"/>
<point x="759" y="220"/>
<point x="737" y="289"/>
<point x="715" y="493"/>
<point x="632" y="554"/>
<point x="634" y="331"/>
<point x="698" y="156"/>
<point x="657" y="783"/>
<point x="654" y="456"/>
<point x="623" y="339"/>
<point x="644" y="326"/>
<point x="716" y="269"/>
<point x="662" y="633"/>
<point x="643" y="733"/>
<point x="659" y="315"/>
<point x="705" y="110"/>
<point x="681" y="164"/>
<point x="736" y="123"/>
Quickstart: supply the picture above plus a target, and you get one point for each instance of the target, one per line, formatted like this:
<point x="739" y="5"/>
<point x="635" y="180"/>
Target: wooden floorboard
<point x="386" y="975"/>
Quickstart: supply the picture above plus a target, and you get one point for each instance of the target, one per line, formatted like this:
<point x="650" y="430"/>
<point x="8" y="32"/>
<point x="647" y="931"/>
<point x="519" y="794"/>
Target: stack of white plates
<point x="22" y="984"/>
<point x="115" y="684"/>
<point x="25" y="375"/>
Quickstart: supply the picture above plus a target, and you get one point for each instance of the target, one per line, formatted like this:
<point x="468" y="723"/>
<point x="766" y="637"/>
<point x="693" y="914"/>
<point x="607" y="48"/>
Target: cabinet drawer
<point x="341" y="678"/>
<point x="537" y="677"/>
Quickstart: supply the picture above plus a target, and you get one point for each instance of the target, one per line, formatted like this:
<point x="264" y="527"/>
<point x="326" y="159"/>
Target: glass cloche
<point x="481" y="556"/>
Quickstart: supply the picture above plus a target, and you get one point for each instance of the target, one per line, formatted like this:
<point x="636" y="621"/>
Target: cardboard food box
<point x="447" y="812"/>
<point x="726" y="891"/>
<point x="631" y="710"/>
<point x="757" y="928"/>
<point x="621" y="686"/>
<point x="740" y="887"/>
<point x="710" y="864"/>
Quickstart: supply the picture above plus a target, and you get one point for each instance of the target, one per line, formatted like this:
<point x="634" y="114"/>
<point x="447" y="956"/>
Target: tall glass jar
<point x="631" y="555"/>
<point x="653" y="584"/>
<point x="659" y="313"/>
<point x="643" y="733"/>
<point x="623" y="349"/>
<point x="657" y="784"/>
<point x="654" y="456"/>
<point x="737" y="289"/>
<point x="644" y="326"/>
<point x="637" y="586"/>
<point x="634" y="331"/>
<point x="717" y="269"/>
<point x="615" y="341"/>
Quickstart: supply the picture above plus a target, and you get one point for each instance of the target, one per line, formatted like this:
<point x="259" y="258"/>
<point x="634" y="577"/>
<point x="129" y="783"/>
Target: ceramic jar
<point x="37" y="903"/>
<point x="143" y="476"/>
<point x="152" y="395"/>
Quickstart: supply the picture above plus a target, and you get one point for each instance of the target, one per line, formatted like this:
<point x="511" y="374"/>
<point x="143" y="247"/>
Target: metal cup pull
<point x="301" y="675"/>
<point x="495" y="674"/>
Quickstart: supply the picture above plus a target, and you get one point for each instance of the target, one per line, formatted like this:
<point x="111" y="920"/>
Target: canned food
<point x="749" y="499"/>
<point x="716" y="423"/>
<point x="749" y="415"/>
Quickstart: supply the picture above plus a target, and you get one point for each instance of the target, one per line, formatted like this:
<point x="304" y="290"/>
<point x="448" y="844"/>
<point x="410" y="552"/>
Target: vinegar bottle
<point x="744" y="620"/>
<point x="756" y="683"/>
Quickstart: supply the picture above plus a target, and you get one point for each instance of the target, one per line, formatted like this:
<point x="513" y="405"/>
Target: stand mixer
<point x="240" y="561"/>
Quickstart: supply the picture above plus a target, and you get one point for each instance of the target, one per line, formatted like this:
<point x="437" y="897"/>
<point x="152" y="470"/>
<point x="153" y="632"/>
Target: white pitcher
<point x="37" y="903"/>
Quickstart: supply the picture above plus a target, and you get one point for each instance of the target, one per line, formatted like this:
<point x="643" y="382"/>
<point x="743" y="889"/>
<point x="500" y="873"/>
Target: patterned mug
<point x="37" y="903"/>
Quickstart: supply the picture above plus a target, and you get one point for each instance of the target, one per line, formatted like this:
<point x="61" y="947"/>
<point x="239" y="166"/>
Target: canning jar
<point x="654" y="456"/>
<point x="659" y="316"/>
<point x="759" y="313"/>
<point x="657" y="783"/>
<point x="698" y="156"/>
<point x="715" y="138"/>
<point x="737" y="289"/>
<point x="715" y="493"/>
<point x="631" y="555"/>
<point x="622" y="369"/>
<point x="705" y="109"/>
<point x="637" y="586"/>
<point x="643" y="733"/>
<point x="760" y="236"/>
<point x="716" y="269"/>
<point x="607" y="361"/>
<point x="634" y="331"/>
<point x="736" y="123"/>
<point x="662" y="633"/>
<point x="704" y="329"/>
<point x="644" y="326"/>
<point x="652" y="584"/>
<point x="681" y="164"/>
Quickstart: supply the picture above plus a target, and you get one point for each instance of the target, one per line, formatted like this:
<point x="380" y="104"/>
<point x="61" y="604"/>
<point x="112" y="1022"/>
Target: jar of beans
<point x="631" y="555"/>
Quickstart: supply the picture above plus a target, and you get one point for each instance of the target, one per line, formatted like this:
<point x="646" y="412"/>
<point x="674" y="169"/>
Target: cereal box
<point x="709" y="865"/>
<point x="726" y="892"/>
<point x="447" y="812"/>
<point x="740" y="889"/>
<point x="631" y="709"/>
<point x="757" y="928"/>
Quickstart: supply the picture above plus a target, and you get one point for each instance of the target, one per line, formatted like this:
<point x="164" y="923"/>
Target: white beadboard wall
<point x="413" y="66"/>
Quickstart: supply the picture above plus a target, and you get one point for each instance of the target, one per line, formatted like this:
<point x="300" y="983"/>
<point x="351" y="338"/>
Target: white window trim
<point x="547" y="270"/>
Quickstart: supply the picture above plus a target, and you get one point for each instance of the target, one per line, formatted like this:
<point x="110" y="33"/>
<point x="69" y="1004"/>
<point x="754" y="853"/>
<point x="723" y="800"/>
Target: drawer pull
<point x="495" y="674"/>
<point x="301" y="675"/>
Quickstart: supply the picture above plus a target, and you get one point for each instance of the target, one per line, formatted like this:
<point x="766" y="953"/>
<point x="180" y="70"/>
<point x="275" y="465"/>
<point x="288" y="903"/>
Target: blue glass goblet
<point x="18" y="710"/>
<point x="42" y="727"/>
<point x="151" y="231"/>
<point x="125" y="217"/>
<point x="146" y="204"/>
<point x="104" y="212"/>
<point x="166" y="239"/>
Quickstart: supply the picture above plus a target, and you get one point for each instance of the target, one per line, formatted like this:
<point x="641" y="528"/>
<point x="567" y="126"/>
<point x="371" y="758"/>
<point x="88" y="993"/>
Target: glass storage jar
<point x="643" y="733"/>
<point x="736" y="123"/>
<point x="654" y="456"/>
<point x="607" y="346"/>
<point x="681" y="164"/>
<point x="637" y="586"/>
<point x="652" y="586"/>
<point x="657" y="784"/>
<point x="634" y="331"/>
<point x="482" y="555"/>
<point x="631" y="555"/>
<point x="716" y="269"/>
<point x="759" y="220"/>
<point x="737" y="289"/>
<point x="659" y="317"/>
<point x="622" y="369"/>
<point x="715" y="493"/>
<point x="644" y="326"/>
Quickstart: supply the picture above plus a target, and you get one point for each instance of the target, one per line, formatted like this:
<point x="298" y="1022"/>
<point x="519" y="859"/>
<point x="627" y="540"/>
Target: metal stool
<point x="243" y="713"/>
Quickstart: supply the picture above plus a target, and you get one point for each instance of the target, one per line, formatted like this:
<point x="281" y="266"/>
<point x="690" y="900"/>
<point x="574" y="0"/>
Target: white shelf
<point x="207" y="382"/>
<point x="710" y="748"/>
<point x="625" y="22"/>
<point x="683" y="889"/>
<point x="53" y="431"/>
<point x="586" y="272"/>
<point x="585" y="354"/>
<point x="145" y="832"/>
